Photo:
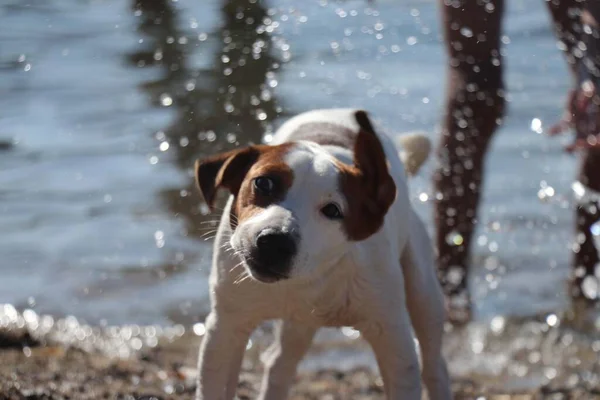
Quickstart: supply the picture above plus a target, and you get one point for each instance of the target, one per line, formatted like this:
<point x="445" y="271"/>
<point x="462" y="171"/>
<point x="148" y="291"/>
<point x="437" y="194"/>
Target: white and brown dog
<point x="319" y="231"/>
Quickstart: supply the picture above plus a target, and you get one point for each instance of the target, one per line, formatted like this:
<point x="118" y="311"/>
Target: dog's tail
<point x="414" y="150"/>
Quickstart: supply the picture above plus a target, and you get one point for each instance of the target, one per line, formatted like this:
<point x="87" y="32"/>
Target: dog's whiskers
<point x="244" y="278"/>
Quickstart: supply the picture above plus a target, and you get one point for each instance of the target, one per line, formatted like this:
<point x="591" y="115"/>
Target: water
<point x="106" y="104"/>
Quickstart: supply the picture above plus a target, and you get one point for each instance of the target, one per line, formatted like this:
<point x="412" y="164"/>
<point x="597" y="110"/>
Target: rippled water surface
<point x="105" y="105"/>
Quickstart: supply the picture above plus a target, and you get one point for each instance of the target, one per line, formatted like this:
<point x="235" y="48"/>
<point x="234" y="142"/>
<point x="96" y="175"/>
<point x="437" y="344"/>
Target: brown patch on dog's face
<point x="237" y="171"/>
<point x="251" y="199"/>
<point x="367" y="185"/>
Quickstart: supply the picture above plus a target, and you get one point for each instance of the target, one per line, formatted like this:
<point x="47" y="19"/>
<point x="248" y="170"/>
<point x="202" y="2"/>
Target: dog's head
<point x="295" y="206"/>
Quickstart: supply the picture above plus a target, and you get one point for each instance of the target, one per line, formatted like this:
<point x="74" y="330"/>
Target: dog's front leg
<point x="394" y="348"/>
<point x="292" y="341"/>
<point x="425" y="302"/>
<point x="220" y="357"/>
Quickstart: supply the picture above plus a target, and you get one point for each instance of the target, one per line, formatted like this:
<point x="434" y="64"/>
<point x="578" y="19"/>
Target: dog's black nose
<point x="275" y="247"/>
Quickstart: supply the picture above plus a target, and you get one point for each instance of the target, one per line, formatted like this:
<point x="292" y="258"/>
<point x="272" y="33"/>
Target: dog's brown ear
<point x="370" y="159"/>
<point x="225" y="170"/>
<point x="368" y="185"/>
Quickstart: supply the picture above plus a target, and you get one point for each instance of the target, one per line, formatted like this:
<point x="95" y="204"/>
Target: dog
<point x="319" y="231"/>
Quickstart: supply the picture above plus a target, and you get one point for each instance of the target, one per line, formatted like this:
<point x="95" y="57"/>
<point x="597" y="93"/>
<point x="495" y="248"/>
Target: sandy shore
<point x="39" y="369"/>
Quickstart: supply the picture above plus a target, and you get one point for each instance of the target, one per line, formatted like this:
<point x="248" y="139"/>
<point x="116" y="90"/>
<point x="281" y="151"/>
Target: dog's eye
<point x="264" y="185"/>
<point x="332" y="211"/>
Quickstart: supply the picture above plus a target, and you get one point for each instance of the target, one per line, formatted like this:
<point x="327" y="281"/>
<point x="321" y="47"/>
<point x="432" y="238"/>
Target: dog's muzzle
<point x="272" y="254"/>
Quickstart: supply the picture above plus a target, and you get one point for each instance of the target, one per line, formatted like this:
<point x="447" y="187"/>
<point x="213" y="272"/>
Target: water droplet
<point x="190" y="85"/>
<point x="199" y="329"/>
<point x="231" y="138"/>
<point x="482" y="240"/>
<point x="423" y="197"/>
<point x="27" y="68"/>
<point x="261" y="115"/>
<point x="153" y="160"/>
<point x="229" y="108"/>
<point x="546" y="192"/>
<point x="552" y="320"/>
<point x="466" y="31"/>
<point x="166" y="100"/>
<point x="550" y="373"/>
<point x="202" y="37"/>
<point x="107" y="198"/>
<point x="265" y="95"/>
<point x="536" y="125"/>
<point x="411" y="40"/>
<point x="350" y="332"/>
<point x="589" y="287"/>
<point x="595" y="229"/>
<point x="184" y="141"/>
<point x="164" y="146"/>
<point x="249" y="344"/>
<point x="477" y="346"/>
<point x="454" y="238"/>
<point x="497" y="324"/>
<point x="204" y="209"/>
<point x="455" y="275"/>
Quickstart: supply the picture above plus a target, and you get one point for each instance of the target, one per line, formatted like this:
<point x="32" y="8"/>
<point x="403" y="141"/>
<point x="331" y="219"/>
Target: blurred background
<point x="105" y="105"/>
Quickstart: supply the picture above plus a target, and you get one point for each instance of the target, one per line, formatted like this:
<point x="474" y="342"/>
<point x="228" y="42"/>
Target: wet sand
<point x="65" y="360"/>
<point x="56" y="372"/>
